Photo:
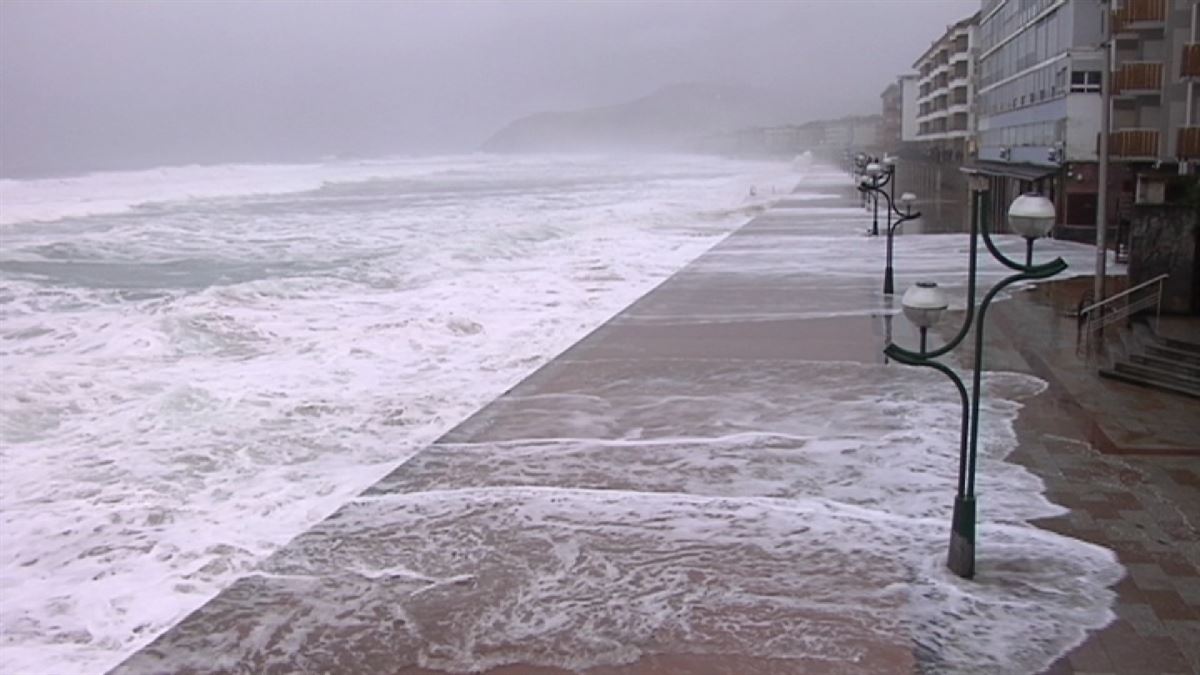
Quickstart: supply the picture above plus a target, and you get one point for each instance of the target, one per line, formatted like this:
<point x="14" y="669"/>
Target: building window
<point x="1085" y="81"/>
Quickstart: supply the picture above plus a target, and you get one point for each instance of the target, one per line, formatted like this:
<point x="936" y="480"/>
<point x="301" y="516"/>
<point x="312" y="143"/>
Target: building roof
<point x="1029" y="172"/>
<point x="973" y="19"/>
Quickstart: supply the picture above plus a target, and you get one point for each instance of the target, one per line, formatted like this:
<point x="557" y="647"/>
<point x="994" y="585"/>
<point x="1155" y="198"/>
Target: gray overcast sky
<point x="97" y="84"/>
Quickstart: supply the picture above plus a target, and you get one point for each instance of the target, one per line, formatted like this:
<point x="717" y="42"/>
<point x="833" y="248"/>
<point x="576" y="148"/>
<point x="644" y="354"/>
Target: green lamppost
<point x="1031" y="216"/>
<point x="907" y="200"/>
<point x="877" y="176"/>
<point x="861" y="160"/>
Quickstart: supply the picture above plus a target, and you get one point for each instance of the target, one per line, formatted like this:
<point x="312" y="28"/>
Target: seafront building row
<point x="1015" y="91"/>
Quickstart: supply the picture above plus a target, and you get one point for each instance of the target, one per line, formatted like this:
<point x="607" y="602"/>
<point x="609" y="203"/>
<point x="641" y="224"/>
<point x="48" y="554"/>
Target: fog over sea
<point x="200" y="362"/>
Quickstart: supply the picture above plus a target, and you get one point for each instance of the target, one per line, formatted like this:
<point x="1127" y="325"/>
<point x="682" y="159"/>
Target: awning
<point x="1029" y="172"/>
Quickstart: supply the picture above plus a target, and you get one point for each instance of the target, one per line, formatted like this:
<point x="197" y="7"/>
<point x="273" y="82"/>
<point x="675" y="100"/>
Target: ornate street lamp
<point x="878" y="177"/>
<point x="860" y="167"/>
<point x="907" y="199"/>
<point x="921" y="305"/>
<point x="879" y="174"/>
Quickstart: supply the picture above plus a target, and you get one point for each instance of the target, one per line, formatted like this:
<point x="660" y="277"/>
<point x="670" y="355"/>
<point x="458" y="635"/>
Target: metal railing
<point x="1143" y="76"/>
<point x="1143" y="12"/>
<point x="1187" y="145"/>
<point x="1189" y="63"/>
<point x="1100" y="314"/>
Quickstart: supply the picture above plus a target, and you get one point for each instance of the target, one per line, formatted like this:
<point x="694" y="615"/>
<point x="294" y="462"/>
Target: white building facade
<point x="945" y="116"/>
<point x="1038" y="102"/>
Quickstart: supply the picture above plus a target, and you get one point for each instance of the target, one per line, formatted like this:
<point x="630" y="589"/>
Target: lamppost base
<point x="888" y="289"/>
<point x="961" y="560"/>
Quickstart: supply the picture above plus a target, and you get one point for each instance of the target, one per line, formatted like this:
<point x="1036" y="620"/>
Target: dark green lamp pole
<point x="1028" y="216"/>
<point x="907" y="199"/>
<point x="877" y="176"/>
<point x="860" y="170"/>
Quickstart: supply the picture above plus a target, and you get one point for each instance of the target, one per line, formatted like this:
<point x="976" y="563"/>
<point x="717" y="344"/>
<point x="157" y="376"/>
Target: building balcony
<point x="1188" y="143"/>
<point x="1139" y="15"/>
<point x="932" y="77"/>
<point x="1138" y="78"/>
<point x="1134" y="144"/>
<point x="1189" y="61"/>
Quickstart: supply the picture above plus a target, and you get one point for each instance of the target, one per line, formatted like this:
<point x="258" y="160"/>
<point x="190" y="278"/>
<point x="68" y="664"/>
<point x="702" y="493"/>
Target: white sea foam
<point x="576" y="578"/>
<point x="190" y="383"/>
<point x="623" y="519"/>
<point x="109" y="192"/>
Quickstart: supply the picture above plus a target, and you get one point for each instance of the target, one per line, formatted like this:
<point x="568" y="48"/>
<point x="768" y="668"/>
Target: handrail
<point x="1122" y="294"/>
<point x="1093" y="321"/>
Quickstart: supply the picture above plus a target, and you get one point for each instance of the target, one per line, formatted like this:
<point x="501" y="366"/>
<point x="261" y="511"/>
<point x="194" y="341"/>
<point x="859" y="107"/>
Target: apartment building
<point x="892" y="100"/>
<point x="1154" y="143"/>
<point x="1039" y="107"/>
<point x="899" y="120"/>
<point x="909" y="87"/>
<point x="1038" y="103"/>
<point x="945" y="93"/>
<point x="1154" y="98"/>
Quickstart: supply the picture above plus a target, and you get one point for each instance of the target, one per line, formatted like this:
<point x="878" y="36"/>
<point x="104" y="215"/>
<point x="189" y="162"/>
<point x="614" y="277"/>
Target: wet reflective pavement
<point x="724" y="478"/>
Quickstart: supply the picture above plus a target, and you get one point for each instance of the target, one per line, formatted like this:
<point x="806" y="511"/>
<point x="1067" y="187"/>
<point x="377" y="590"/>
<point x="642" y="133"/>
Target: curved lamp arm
<point x="1033" y="273"/>
<point x="888" y="198"/>
<point x="922" y="361"/>
<point x="1004" y="260"/>
<point x="901" y="354"/>
<point x="904" y="217"/>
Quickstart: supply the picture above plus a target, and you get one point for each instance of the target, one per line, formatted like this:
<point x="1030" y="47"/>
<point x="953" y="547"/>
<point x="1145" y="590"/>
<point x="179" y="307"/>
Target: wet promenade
<point x="724" y="478"/>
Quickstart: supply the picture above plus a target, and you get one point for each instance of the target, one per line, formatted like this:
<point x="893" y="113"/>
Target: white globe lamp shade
<point x="908" y="198"/>
<point x="889" y="161"/>
<point x="924" y="304"/>
<point x="874" y="170"/>
<point x="1031" y="215"/>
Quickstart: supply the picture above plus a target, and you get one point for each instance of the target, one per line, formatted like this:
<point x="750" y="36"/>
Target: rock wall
<point x="1166" y="239"/>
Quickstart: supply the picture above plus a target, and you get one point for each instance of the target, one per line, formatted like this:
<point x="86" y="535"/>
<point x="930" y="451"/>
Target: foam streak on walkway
<point x="724" y="478"/>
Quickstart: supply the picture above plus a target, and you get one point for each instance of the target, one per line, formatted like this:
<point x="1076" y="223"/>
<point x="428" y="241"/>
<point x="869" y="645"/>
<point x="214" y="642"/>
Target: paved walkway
<point x="647" y="499"/>
<point x="1126" y="461"/>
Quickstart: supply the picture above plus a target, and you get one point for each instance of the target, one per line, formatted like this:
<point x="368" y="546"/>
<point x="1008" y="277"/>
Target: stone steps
<point x="1161" y="363"/>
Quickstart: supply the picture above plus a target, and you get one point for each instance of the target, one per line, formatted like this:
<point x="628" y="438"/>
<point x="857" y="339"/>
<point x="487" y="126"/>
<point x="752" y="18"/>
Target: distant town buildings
<point x="892" y="120"/>
<point x="898" y="125"/>
<point x="908" y="113"/>
<point x="828" y="138"/>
